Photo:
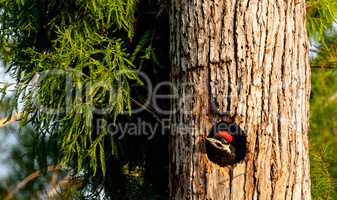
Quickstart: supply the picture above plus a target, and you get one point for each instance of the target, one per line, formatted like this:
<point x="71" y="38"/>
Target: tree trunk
<point x="253" y="57"/>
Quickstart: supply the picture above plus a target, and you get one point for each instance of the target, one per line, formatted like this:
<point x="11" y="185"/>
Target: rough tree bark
<point x="252" y="55"/>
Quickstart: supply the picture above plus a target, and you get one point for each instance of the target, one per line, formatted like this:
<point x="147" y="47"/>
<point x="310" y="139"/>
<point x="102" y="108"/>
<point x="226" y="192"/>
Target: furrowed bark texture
<point x="252" y="55"/>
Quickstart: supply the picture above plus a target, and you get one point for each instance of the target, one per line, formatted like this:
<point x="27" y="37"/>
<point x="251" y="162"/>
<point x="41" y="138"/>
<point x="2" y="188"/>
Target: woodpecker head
<point x="224" y="145"/>
<point x="220" y="152"/>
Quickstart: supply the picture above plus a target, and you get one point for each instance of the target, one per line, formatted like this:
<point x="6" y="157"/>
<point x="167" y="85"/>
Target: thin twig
<point x="28" y="179"/>
<point x="14" y="118"/>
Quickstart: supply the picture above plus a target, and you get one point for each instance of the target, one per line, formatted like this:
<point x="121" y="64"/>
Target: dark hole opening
<point x="223" y="152"/>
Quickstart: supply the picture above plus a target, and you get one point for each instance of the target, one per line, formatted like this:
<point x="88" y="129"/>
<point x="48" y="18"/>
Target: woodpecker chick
<point x="220" y="152"/>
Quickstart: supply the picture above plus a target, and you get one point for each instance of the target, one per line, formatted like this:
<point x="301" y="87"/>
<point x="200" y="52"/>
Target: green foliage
<point x="321" y="14"/>
<point x="322" y="161"/>
<point x="70" y="58"/>
<point x="323" y="121"/>
<point x="326" y="56"/>
<point x="323" y="134"/>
